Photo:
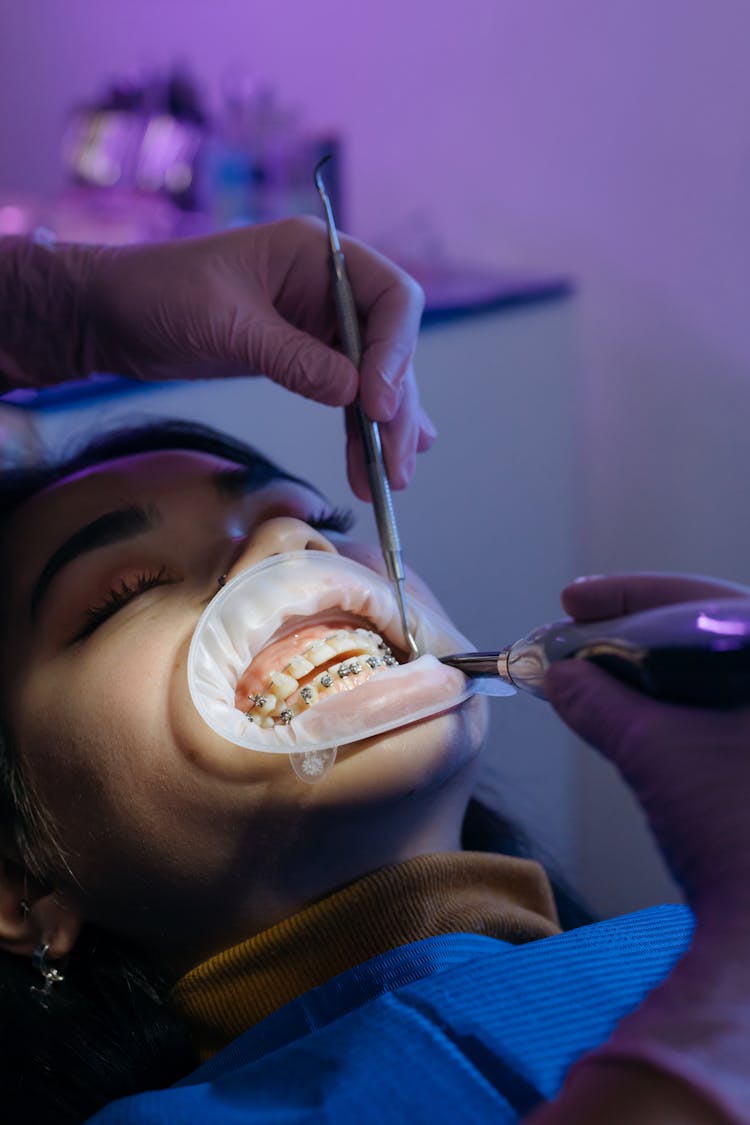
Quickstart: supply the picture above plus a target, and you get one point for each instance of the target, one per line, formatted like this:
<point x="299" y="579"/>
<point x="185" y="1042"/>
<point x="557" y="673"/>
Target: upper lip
<point x="292" y="620"/>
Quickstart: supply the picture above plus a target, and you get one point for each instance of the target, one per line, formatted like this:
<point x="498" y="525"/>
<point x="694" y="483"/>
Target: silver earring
<point x="51" y="975"/>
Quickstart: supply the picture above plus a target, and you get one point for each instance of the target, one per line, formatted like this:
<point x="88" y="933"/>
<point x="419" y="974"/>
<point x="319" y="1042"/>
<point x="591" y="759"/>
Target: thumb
<point x="601" y="709"/>
<point x="302" y="364"/>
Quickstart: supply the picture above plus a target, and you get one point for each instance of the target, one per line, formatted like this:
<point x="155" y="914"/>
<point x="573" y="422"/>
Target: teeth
<point x="283" y="685"/>
<point x="361" y="646"/>
<point x="319" y="653"/>
<point x="371" y="638"/>
<point x="298" y="667"/>
<point x="340" y="643"/>
<point x="261" y="705"/>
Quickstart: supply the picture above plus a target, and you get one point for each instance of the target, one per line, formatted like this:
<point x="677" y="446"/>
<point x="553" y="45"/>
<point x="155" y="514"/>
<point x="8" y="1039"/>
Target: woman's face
<point x="174" y="836"/>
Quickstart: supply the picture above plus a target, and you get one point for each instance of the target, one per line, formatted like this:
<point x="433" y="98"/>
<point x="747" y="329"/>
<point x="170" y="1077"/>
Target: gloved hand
<point x="246" y="301"/>
<point x="690" y="770"/>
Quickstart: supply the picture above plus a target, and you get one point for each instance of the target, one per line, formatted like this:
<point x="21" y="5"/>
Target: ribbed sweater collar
<point x="457" y="892"/>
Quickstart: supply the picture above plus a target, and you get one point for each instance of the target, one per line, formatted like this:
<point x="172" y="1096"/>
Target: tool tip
<point x="317" y="170"/>
<point x="413" y="647"/>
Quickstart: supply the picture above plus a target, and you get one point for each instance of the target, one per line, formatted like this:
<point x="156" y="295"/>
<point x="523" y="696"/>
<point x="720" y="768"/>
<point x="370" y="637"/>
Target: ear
<point x="31" y="915"/>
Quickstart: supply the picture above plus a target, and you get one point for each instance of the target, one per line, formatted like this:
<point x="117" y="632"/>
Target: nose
<point x="276" y="536"/>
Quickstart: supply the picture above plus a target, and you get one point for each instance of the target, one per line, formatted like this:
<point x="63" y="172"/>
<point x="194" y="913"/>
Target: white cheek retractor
<point x="294" y="657"/>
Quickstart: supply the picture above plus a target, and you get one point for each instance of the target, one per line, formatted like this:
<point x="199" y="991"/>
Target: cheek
<point x="121" y="695"/>
<point x="417" y="759"/>
<point x="93" y="729"/>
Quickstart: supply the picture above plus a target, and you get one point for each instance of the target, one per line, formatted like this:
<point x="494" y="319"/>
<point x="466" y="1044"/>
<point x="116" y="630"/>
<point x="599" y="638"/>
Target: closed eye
<point x="121" y="594"/>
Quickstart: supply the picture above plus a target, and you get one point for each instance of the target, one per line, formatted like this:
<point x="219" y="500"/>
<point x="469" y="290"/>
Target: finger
<point x="301" y="363"/>
<point x="390" y="304"/>
<point x="356" y="469"/>
<point x="647" y="739"/>
<point x="427" y="432"/>
<point x="596" y="706"/>
<point x="615" y="595"/>
<point x="629" y="727"/>
<point x="400" y="438"/>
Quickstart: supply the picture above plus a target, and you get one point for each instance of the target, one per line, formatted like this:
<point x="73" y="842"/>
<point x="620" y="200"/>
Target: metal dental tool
<point x="385" y="519"/>
<point x="689" y="652"/>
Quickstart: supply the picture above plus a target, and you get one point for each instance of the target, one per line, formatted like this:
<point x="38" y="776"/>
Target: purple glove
<point x="690" y="770"/>
<point x="251" y="300"/>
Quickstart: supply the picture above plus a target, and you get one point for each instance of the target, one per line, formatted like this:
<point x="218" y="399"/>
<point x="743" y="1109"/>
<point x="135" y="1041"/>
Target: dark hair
<point x="19" y="485"/>
<point x="108" y="1031"/>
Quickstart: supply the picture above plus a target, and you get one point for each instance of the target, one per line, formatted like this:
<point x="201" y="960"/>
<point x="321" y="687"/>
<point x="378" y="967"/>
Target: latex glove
<point x="690" y="770"/>
<point x="246" y="301"/>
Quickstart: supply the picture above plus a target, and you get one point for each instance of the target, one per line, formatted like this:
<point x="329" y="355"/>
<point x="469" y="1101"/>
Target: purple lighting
<point x="726" y="628"/>
<point x="13" y="220"/>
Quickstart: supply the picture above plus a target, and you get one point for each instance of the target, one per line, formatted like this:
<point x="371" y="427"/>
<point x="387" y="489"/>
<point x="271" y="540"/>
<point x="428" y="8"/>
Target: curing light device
<point x="692" y="652"/>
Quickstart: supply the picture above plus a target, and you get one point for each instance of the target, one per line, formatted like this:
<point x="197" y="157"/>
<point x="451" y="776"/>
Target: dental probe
<point x="691" y="652"/>
<point x="385" y="518"/>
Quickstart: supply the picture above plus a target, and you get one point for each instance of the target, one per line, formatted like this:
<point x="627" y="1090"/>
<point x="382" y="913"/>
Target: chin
<point x="422" y="757"/>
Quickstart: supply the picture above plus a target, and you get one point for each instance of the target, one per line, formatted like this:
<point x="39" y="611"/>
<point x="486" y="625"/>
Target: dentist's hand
<point x="246" y="301"/>
<point x="683" y="1055"/>
<point x="689" y="767"/>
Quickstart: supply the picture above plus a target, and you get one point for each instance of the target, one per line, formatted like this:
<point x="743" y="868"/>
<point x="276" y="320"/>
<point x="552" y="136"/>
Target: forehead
<point x="77" y="498"/>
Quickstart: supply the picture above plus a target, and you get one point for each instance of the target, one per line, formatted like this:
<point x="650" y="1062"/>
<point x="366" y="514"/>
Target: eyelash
<point x="335" y="519"/>
<point x="119" y="596"/>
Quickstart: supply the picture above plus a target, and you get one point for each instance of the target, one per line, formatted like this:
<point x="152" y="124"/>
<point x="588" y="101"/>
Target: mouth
<point x="303" y="652"/>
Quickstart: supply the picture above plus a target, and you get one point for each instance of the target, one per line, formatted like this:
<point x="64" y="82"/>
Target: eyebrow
<point x="113" y="527"/>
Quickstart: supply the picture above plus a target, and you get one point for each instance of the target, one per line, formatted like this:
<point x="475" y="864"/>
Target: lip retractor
<point x="300" y="655"/>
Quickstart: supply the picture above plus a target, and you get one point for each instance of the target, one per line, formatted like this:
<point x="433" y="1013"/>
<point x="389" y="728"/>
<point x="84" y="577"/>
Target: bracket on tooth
<point x="326" y="680"/>
<point x="307" y="694"/>
<point x="286" y="716"/>
<point x="373" y="661"/>
<point x="344" y="671"/>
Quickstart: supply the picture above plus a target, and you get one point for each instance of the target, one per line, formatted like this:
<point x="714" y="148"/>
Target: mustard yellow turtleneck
<point x="468" y="892"/>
